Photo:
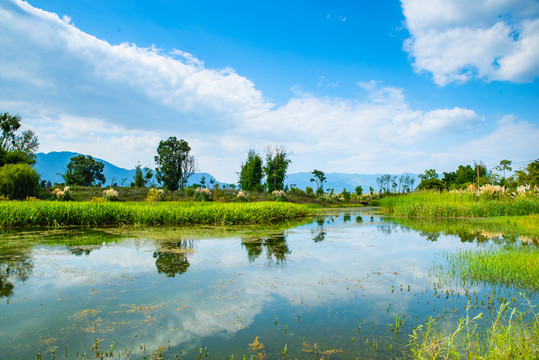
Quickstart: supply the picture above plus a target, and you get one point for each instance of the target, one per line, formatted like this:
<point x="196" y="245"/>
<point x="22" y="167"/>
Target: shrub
<point x="154" y="195"/>
<point x="241" y="197"/>
<point x="345" y="195"/>
<point x="278" y="195"/>
<point x="189" y="191"/>
<point x="110" y="194"/>
<point x="309" y="191"/>
<point x="62" y="195"/>
<point x="17" y="181"/>
<point x="203" y="194"/>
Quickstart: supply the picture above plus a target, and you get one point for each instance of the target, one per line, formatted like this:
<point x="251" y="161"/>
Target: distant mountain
<point x="51" y="164"/>
<point x="339" y="181"/>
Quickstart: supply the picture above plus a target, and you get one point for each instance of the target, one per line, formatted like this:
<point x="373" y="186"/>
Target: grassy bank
<point x="48" y="213"/>
<point x="447" y="204"/>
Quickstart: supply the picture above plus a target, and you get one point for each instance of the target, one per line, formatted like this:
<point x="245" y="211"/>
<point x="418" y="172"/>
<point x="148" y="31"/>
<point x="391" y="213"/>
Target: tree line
<point x="175" y="166"/>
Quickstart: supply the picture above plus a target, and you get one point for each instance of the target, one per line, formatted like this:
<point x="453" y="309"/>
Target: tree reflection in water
<point x="319" y="234"/>
<point x="13" y="267"/>
<point x="275" y="245"/>
<point x="171" y="257"/>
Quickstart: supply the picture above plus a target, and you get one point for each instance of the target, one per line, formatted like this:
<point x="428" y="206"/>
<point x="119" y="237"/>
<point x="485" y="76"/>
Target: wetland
<point x="350" y="283"/>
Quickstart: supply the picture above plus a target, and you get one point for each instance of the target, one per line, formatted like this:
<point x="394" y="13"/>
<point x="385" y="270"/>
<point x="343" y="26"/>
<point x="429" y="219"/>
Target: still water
<point x="333" y="287"/>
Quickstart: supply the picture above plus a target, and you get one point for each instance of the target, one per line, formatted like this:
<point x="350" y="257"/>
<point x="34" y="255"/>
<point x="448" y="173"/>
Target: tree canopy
<point x="251" y="173"/>
<point x="83" y="170"/>
<point x="319" y="177"/>
<point x="175" y="165"/>
<point x="276" y="166"/>
<point x="26" y="142"/>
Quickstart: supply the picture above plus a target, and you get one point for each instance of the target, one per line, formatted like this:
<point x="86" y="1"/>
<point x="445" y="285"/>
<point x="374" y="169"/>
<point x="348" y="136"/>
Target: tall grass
<point x="513" y="334"/>
<point x="448" y="204"/>
<point x="516" y="266"/>
<point x="47" y="213"/>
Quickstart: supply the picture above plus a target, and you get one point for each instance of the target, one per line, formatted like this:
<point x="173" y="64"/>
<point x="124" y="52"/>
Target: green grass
<point x="516" y="266"/>
<point x="513" y="334"/>
<point x="446" y="204"/>
<point x="15" y="214"/>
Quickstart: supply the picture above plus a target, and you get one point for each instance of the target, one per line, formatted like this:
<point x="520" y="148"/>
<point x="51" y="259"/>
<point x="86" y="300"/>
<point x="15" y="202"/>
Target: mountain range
<point x="51" y="165"/>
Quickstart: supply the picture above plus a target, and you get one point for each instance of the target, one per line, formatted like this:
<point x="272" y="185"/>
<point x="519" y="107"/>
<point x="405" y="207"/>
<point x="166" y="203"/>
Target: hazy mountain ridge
<point x="50" y="165"/>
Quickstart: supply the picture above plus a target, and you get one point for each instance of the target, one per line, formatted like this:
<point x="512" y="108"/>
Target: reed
<point x="15" y="214"/>
<point x="452" y="204"/>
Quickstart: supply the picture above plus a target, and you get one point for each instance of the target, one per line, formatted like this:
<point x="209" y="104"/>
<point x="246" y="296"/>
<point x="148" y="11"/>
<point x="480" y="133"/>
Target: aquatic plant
<point x="516" y="266"/>
<point x="512" y="335"/>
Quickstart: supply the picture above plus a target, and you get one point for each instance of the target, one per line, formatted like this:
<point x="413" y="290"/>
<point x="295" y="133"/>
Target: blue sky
<point x="346" y="86"/>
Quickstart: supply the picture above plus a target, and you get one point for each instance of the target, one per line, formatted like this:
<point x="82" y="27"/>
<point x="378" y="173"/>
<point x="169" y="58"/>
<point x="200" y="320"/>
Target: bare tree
<point x="189" y="167"/>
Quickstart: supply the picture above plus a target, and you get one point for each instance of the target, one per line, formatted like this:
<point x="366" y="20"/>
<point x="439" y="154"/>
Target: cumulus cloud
<point x="116" y="101"/>
<point x="457" y="40"/>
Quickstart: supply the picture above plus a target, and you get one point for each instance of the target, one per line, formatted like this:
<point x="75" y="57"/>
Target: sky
<point x="345" y="86"/>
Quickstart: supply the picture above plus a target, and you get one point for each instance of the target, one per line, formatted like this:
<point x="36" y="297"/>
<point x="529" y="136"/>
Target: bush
<point x="18" y="181"/>
<point x="189" y="191"/>
<point x="154" y="195"/>
<point x="203" y="194"/>
<point x="345" y="195"/>
<point x="110" y="194"/>
<point x="309" y="191"/>
<point x="62" y="195"/>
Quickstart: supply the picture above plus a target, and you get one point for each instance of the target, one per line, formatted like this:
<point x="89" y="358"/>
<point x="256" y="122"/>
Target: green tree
<point x="251" y="173"/>
<point x="430" y="180"/>
<point x="26" y="142"/>
<point x="319" y="177"/>
<point x="530" y="175"/>
<point x="142" y="176"/>
<point x="276" y="166"/>
<point x="504" y="165"/>
<point x="175" y="165"/>
<point x="17" y="181"/>
<point x="84" y="171"/>
<point x="359" y="190"/>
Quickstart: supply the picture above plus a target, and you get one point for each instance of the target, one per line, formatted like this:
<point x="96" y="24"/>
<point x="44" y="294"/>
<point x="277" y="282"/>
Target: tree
<point x="319" y="177"/>
<point x="175" y="165"/>
<point x="359" y="190"/>
<point x="84" y="171"/>
<point x="26" y="142"/>
<point x="530" y="175"/>
<point x="504" y="165"/>
<point x="142" y="177"/>
<point x="276" y="167"/>
<point x="18" y="181"/>
<point x="429" y="180"/>
<point x="251" y="172"/>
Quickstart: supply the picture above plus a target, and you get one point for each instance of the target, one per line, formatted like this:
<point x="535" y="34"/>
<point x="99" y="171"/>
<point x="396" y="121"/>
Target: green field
<point x="15" y="214"/>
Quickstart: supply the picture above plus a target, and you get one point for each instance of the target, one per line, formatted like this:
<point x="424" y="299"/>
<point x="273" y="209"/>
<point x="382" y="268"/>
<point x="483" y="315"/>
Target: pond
<point x="351" y="283"/>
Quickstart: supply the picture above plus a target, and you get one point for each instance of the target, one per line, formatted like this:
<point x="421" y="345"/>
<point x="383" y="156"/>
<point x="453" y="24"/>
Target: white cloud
<point x="116" y="102"/>
<point x="457" y="40"/>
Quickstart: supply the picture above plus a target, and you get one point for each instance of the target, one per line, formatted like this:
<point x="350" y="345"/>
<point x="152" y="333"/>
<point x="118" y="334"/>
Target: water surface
<point x="336" y="282"/>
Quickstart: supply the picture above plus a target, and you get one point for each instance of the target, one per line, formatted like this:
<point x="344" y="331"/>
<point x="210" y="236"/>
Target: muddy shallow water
<point x="345" y="285"/>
